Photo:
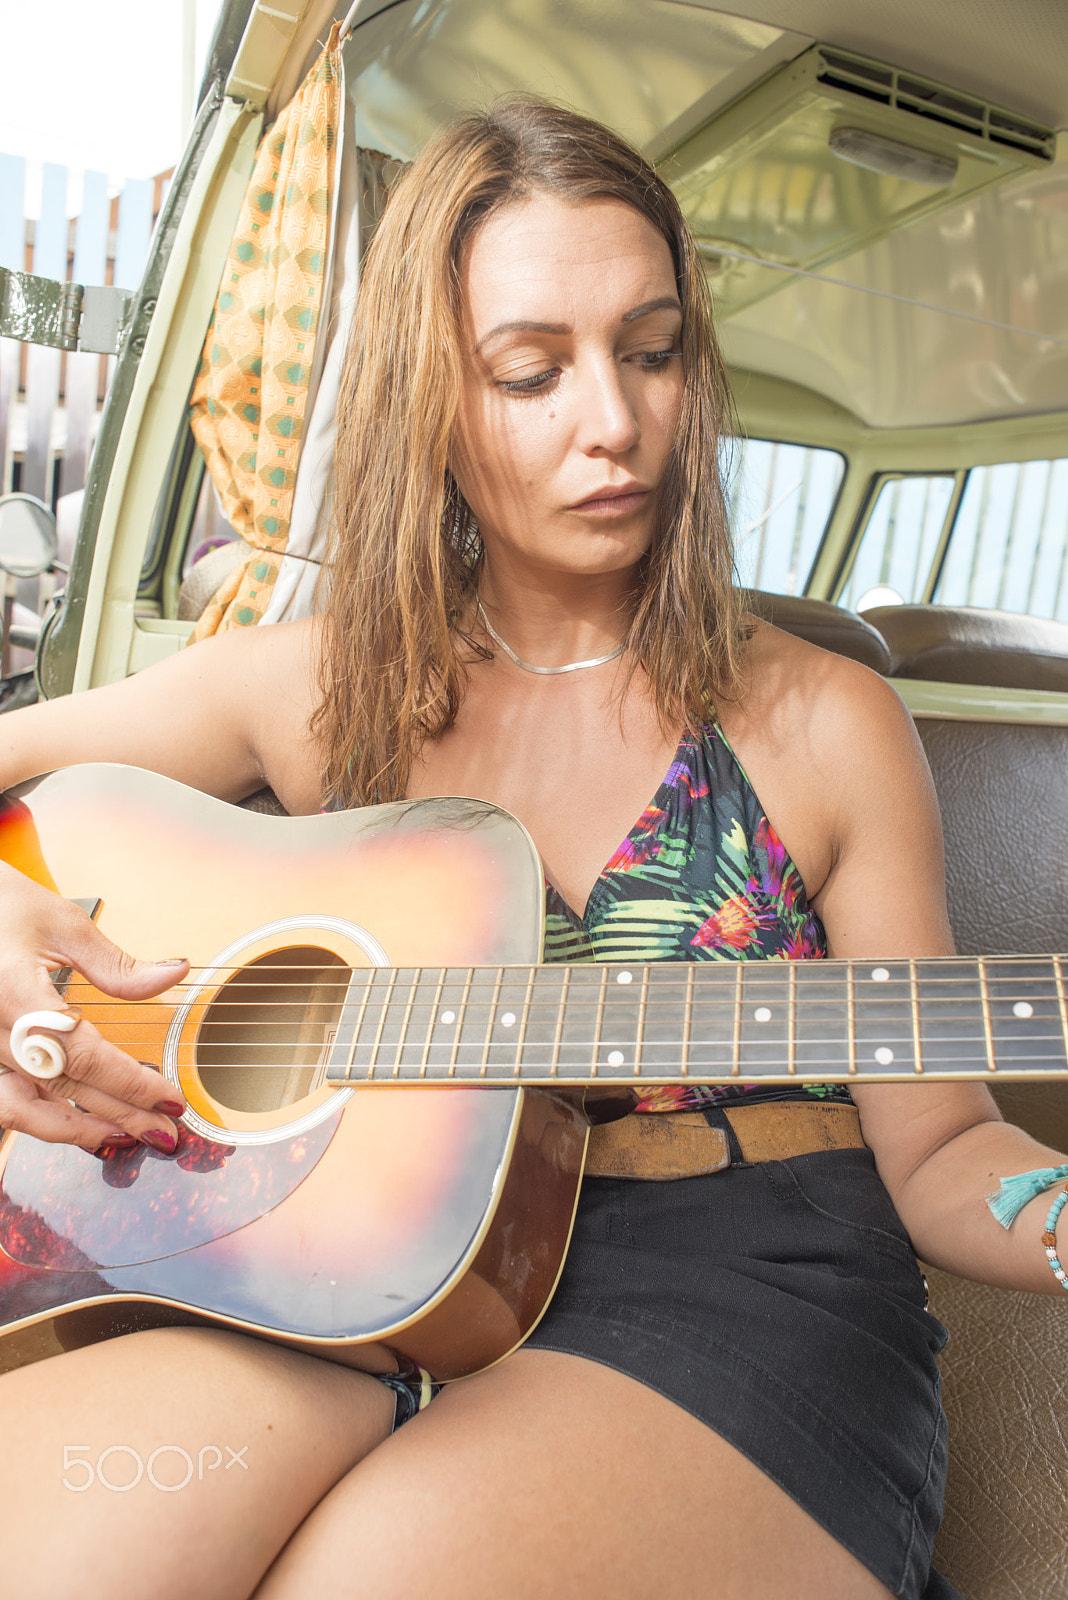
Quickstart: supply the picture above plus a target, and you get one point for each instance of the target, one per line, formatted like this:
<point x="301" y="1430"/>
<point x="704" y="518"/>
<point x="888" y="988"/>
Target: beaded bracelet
<point x="1013" y="1195"/>
<point x="1049" y="1238"/>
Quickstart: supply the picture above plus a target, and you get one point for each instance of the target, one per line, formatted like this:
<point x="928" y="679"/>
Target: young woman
<point x="734" y="1391"/>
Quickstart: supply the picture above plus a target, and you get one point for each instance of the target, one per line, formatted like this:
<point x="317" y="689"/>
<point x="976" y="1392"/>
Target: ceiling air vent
<point x="831" y="153"/>
<point x="920" y="97"/>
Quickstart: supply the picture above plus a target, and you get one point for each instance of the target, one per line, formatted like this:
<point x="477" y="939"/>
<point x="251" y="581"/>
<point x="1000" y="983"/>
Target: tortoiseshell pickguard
<point x="72" y="1212"/>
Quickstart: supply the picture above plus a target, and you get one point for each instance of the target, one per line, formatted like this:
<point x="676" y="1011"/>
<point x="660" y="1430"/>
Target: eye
<point x="654" y="360"/>
<point x="538" y="383"/>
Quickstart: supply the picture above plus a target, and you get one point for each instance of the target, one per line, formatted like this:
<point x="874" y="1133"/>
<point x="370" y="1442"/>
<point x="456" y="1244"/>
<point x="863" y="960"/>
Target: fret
<point x="882" y="1018"/>
<point x="356" y="1026"/>
<point x="491" y="1021"/>
<point x="547" y="989"/>
<point x="791" y="1019"/>
<point x="736" y="1041"/>
<point x="372" y="1067"/>
<point x="521" y="1032"/>
<point x="763" y="1025"/>
<point x="405" y="1021"/>
<point x="435" y="1009"/>
<point x="1058" y="976"/>
<point x="643" y="1006"/>
<point x="1025" y="1014"/>
<point x="620" y="1024"/>
<point x="461" y="1010"/>
<point x="851" y="1018"/>
<point x="582" y="1019"/>
<point x="559" y="1034"/>
<point x="821" y="1041"/>
<point x="687" y="1023"/>
<point x="951" y="1018"/>
<point x="598" y="1026"/>
<point x="988" y="1032"/>
<point x="914" y="1005"/>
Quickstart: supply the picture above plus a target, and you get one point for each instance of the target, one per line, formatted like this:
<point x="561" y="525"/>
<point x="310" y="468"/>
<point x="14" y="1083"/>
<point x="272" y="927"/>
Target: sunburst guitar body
<point x="358" y="1223"/>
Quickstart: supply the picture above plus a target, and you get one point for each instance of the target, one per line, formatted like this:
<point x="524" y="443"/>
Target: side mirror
<point x="28" y="542"/>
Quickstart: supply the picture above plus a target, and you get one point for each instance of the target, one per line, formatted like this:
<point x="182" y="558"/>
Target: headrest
<point x="961" y="644"/>
<point x="831" y="627"/>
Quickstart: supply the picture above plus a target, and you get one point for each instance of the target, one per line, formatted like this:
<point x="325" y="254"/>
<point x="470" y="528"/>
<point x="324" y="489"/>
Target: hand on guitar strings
<point x="100" y="1096"/>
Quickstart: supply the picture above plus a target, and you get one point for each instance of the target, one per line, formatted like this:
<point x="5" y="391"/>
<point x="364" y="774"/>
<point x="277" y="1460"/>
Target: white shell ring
<point x="34" y="1051"/>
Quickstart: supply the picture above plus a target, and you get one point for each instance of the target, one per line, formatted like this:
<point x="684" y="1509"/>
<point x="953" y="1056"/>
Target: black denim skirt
<point x="780" y="1303"/>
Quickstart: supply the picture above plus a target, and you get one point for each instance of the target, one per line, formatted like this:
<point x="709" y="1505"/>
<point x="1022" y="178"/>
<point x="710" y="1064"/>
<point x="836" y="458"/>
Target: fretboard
<point x="710" y="1022"/>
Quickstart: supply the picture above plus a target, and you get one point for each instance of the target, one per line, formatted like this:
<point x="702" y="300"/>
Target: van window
<point x="1009" y="547"/>
<point x="900" y="542"/>
<point x="779" y="500"/>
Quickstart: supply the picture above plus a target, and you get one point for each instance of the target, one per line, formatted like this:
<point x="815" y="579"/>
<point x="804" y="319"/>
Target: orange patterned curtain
<point x="247" y="410"/>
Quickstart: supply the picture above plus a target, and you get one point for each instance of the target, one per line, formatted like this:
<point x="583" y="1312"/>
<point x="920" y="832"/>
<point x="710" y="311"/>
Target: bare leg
<point x="296" y="1424"/>
<point x="554" y="1478"/>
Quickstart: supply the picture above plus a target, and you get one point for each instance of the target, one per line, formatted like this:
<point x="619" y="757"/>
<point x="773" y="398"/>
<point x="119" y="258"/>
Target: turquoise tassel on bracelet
<point x="1014" y="1193"/>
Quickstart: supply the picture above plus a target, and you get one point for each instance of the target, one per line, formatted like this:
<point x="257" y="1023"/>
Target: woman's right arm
<point x="224" y="717"/>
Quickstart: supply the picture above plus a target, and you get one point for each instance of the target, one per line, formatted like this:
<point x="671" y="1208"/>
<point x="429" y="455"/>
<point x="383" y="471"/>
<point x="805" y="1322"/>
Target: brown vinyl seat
<point x="831" y="627"/>
<point x="960" y="644"/>
<point x="1003" y="792"/>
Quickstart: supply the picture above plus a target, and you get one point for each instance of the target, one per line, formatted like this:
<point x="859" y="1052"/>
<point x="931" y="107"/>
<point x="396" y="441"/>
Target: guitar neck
<point x="707" y="1022"/>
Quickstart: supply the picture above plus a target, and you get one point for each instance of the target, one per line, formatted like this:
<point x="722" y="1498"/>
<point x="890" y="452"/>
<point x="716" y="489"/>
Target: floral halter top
<point x="702" y="876"/>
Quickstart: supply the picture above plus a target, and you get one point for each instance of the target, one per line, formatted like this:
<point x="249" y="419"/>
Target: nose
<point x="608" y="418"/>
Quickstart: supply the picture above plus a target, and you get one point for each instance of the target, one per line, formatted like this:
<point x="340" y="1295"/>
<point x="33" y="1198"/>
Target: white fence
<point x="50" y="401"/>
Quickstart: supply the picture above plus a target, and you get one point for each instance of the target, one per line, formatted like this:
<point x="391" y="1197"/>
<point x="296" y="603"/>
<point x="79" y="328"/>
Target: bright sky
<point x="96" y="85"/>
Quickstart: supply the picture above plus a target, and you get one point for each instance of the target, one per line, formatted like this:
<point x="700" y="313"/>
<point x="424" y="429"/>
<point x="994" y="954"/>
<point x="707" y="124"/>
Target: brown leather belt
<point x="681" y="1144"/>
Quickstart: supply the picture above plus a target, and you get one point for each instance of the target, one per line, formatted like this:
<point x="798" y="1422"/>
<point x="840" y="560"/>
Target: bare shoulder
<point x="827" y="705"/>
<point x="834" y="755"/>
<point x="280" y="691"/>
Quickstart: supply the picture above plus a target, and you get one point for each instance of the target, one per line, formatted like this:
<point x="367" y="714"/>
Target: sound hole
<point x="264" y="1040"/>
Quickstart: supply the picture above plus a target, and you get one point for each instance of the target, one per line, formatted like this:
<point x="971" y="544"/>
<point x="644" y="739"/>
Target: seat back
<point x="1003" y="792"/>
<point x="961" y="644"/>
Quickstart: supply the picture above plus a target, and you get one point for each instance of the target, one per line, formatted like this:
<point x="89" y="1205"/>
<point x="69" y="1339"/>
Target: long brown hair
<point x="406" y="553"/>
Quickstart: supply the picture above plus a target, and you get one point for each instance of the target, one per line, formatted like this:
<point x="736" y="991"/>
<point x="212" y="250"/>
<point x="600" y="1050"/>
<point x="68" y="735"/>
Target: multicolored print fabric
<point x="702" y="876"/>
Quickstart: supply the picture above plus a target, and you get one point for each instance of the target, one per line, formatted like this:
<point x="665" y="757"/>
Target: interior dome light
<point x="893" y="160"/>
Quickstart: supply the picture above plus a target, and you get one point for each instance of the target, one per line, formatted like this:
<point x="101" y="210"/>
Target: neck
<point x="556" y="626"/>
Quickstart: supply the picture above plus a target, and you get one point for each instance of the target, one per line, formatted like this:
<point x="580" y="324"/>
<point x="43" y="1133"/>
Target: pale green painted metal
<point x="64" y="316"/>
<point x="965" y="702"/>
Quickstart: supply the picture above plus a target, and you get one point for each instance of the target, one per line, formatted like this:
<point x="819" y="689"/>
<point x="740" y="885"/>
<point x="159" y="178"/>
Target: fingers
<point x="24" y="1110"/>
<point x="107" y="967"/>
<point x="115" y="1095"/>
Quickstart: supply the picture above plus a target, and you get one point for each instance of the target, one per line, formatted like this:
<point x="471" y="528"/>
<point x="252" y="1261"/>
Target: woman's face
<point x="573" y="384"/>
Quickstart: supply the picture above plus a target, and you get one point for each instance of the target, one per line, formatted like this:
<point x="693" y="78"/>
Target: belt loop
<point x="716" y="1117"/>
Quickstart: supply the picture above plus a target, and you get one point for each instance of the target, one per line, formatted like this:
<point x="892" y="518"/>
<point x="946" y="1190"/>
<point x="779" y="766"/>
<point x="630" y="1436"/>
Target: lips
<point x="618" y="498"/>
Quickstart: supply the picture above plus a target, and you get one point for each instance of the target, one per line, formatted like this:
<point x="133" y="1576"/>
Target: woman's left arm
<point x="940" y="1148"/>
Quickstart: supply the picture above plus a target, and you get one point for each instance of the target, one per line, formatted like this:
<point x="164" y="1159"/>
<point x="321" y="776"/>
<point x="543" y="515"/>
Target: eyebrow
<point x="665" y="303"/>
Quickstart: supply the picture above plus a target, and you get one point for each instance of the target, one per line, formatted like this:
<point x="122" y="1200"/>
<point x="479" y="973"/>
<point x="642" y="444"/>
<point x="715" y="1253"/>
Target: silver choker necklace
<point x="543" y="672"/>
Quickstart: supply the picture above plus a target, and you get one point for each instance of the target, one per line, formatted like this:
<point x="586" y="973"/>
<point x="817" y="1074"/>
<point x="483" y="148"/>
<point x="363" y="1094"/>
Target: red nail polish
<point x="170" y="1108"/>
<point x="165" y="1143"/>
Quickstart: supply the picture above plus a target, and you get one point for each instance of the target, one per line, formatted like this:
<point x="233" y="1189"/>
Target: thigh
<point x="173" y="1463"/>
<point x="556" y="1478"/>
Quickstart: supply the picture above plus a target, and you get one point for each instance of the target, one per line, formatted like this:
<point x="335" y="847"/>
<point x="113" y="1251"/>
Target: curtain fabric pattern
<point x="251" y="390"/>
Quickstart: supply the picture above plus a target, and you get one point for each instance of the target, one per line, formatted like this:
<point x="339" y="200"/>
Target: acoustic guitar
<point x="389" y="1098"/>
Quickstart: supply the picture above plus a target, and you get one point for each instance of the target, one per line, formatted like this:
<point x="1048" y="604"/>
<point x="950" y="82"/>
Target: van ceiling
<point x="960" y="316"/>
